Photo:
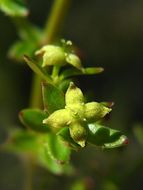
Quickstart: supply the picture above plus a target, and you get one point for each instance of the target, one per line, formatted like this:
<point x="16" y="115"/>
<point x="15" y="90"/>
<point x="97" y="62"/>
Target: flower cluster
<point x="76" y="115"/>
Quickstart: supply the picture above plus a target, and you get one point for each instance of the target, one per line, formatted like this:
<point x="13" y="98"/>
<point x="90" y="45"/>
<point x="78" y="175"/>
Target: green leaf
<point x="37" y="69"/>
<point x="13" y="7"/>
<point x="21" y="141"/>
<point x="46" y="161"/>
<point x="20" y="48"/>
<point x="84" y="71"/>
<point x="98" y="135"/>
<point x="33" y="119"/>
<point x="64" y="134"/>
<point x="121" y="141"/>
<point x="53" y="98"/>
<point x="24" y="142"/>
<point x="56" y="149"/>
<point x="30" y="37"/>
<point x="63" y="85"/>
<point x="104" y="136"/>
<point x="27" y="31"/>
<point x="92" y="70"/>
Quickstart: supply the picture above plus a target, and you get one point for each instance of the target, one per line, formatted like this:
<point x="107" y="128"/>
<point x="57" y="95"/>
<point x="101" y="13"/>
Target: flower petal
<point x="74" y="95"/>
<point x="95" y="111"/>
<point x="58" y="119"/>
<point x="52" y="55"/>
<point x="74" y="60"/>
<point x="78" y="133"/>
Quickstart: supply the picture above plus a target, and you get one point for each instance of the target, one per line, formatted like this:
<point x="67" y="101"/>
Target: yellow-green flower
<point x="76" y="115"/>
<point x="59" y="55"/>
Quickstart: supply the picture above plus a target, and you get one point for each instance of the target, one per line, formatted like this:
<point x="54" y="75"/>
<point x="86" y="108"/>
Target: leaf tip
<point x="100" y="69"/>
<point x="26" y="13"/>
<point x="111" y="104"/>
<point x="72" y="85"/>
<point x="20" y="115"/>
<point x="108" y="104"/>
<point x="25" y="57"/>
<point x="125" y="140"/>
<point x="81" y="143"/>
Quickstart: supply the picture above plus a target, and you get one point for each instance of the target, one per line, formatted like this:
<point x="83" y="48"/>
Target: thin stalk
<point x="35" y="96"/>
<point x="55" y="20"/>
<point x="55" y="71"/>
<point x="52" y="29"/>
<point x="28" y="172"/>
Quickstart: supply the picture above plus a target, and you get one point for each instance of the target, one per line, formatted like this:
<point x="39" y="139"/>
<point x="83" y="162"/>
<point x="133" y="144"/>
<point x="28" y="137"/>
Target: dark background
<point x="108" y="34"/>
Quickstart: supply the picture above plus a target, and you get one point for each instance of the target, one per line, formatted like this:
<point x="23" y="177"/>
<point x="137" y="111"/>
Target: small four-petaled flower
<point x="76" y="115"/>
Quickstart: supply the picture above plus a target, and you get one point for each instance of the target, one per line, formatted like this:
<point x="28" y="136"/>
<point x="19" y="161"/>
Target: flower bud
<point x="73" y="95"/>
<point x="52" y="55"/>
<point x="95" y="111"/>
<point x="58" y="119"/>
<point x="78" y="133"/>
<point x="74" y="60"/>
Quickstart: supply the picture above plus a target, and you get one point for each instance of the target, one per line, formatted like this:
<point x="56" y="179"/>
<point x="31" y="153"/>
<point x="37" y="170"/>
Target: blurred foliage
<point x="109" y="35"/>
<point x="13" y="8"/>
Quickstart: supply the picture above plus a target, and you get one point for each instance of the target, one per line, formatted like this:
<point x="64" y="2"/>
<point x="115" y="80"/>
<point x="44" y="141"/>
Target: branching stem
<point x="52" y="29"/>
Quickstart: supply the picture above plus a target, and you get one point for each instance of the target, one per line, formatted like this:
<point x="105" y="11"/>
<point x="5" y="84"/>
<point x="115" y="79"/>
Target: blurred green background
<point x="108" y="34"/>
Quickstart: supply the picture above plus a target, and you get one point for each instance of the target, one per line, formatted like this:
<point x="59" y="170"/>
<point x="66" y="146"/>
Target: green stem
<point x="55" y="74"/>
<point x="52" y="28"/>
<point x="35" y="96"/>
<point x="55" y="20"/>
<point x="55" y="71"/>
<point x="28" y="172"/>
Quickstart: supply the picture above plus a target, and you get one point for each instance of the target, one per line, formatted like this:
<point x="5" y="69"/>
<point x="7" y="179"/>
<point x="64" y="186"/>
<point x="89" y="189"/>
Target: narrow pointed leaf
<point x="33" y="119"/>
<point x="104" y="136"/>
<point x="84" y="71"/>
<point x="37" y="69"/>
<point x="13" y="7"/>
<point x="70" y="72"/>
<point x="98" y="135"/>
<point x="53" y="98"/>
<point x="56" y="149"/>
<point x="121" y="141"/>
<point x="92" y="70"/>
